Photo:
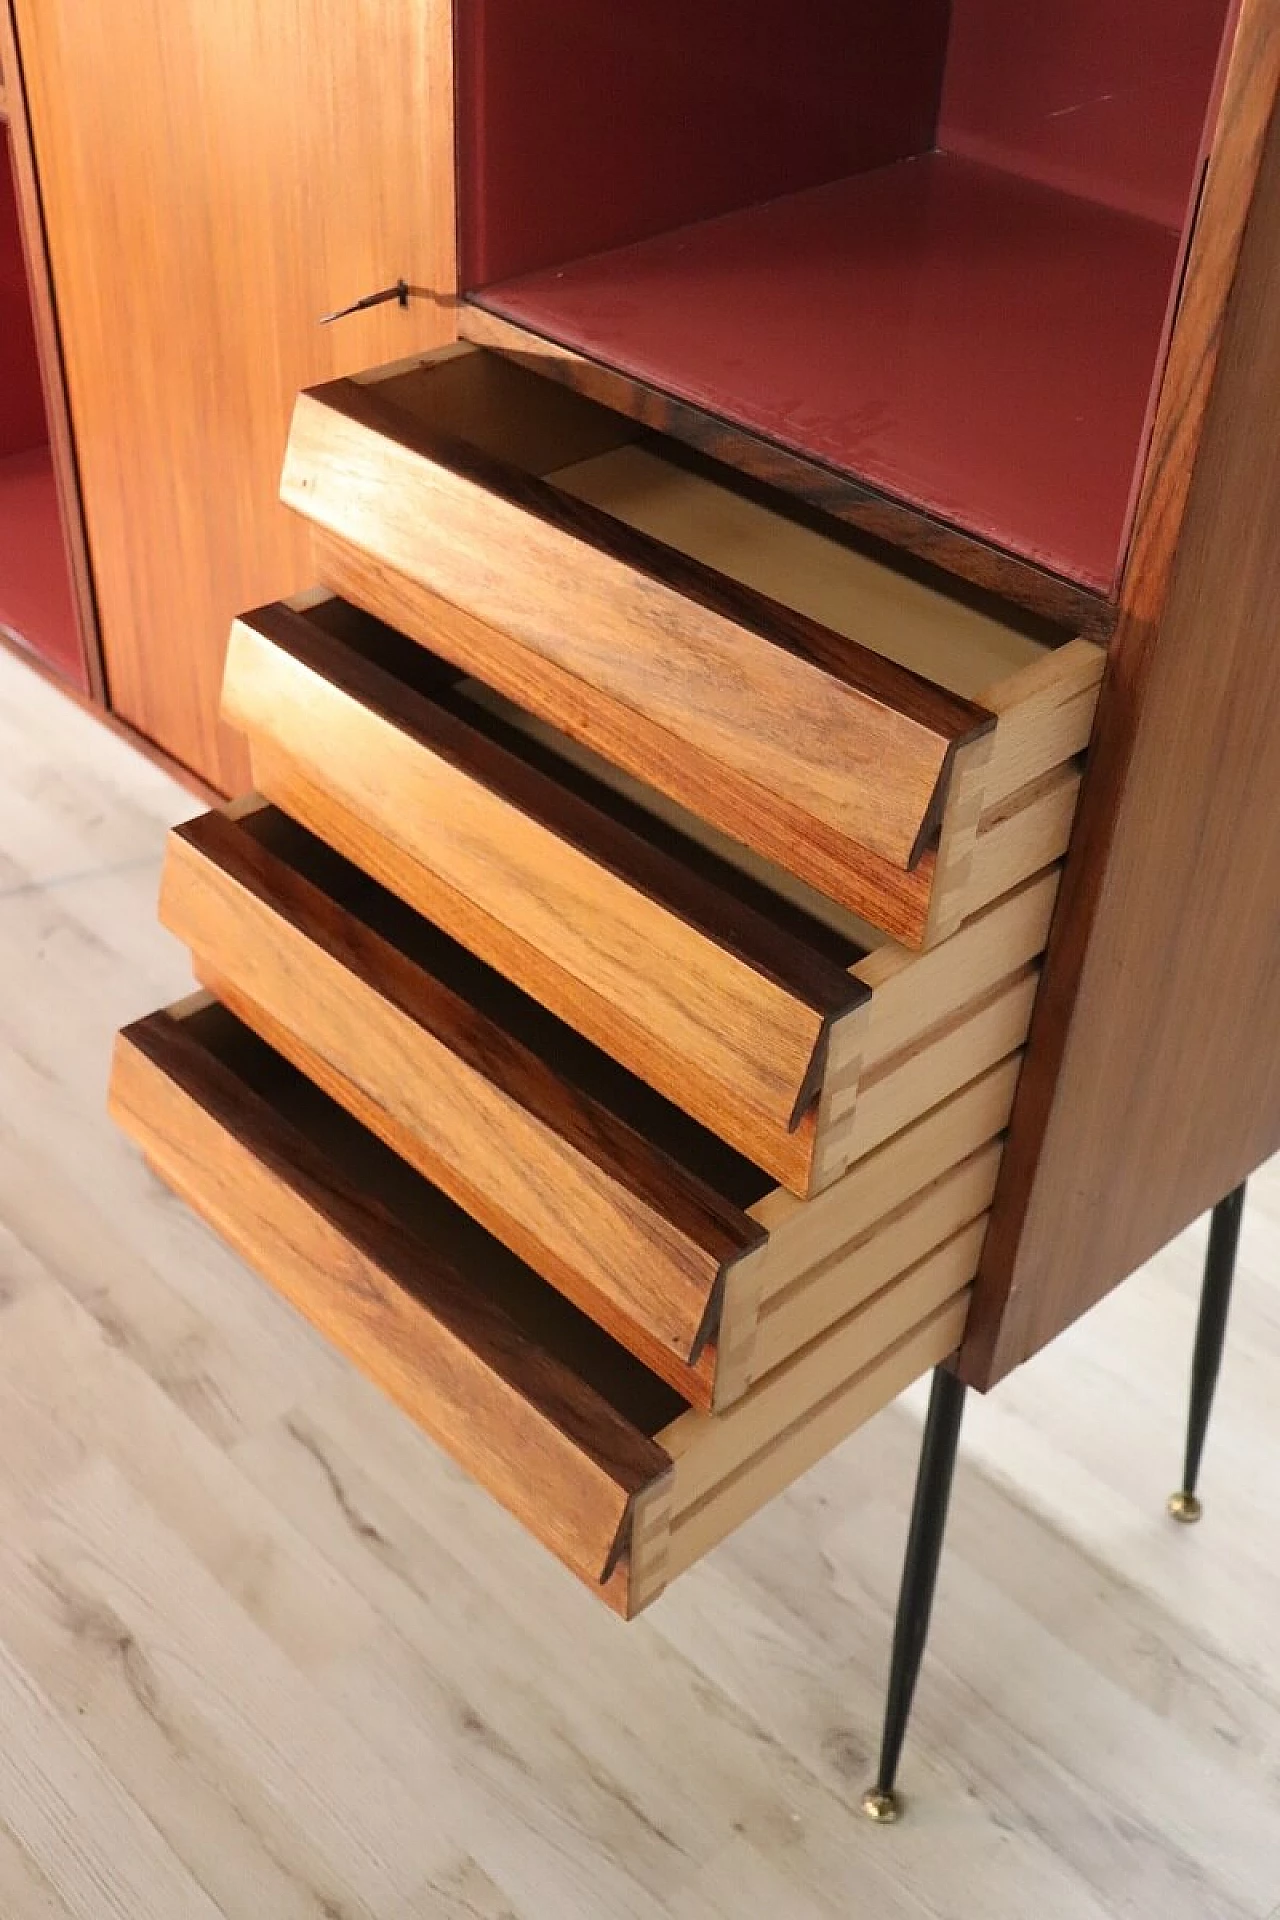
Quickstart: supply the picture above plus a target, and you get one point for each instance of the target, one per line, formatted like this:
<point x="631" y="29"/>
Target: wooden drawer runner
<point x="587" y="1447"/>
<point x="787" y="1034"/>
<point x="675" y="1243"/>
<point x="832" y="710"/>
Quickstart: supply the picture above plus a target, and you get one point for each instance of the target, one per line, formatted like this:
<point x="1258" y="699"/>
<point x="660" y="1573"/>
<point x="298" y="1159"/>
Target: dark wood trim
<point x="840" y="495"/>
<point x="1150" y="1086"/>
<point x="62" y="444"/>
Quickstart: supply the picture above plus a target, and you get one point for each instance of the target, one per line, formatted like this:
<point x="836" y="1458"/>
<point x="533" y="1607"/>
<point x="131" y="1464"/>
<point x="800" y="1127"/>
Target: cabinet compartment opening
<point x="37" y="607"/>
<point x="930" y="246"/>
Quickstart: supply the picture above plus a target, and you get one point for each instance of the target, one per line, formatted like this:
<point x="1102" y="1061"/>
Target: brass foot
<point x="1185" y="1507"/>
<point x="884" y="1808"/>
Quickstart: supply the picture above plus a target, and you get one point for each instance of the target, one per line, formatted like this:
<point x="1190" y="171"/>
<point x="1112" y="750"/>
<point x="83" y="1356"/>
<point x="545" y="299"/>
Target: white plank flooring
<point x="264" y="1654"/>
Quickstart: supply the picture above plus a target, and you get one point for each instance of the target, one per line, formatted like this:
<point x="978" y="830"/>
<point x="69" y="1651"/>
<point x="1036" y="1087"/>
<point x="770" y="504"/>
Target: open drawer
<point x="825" y="706"/>
<point x="685" y="1251"/>
<point x="793" y="1032"/>
<point x="593" y="1452"/>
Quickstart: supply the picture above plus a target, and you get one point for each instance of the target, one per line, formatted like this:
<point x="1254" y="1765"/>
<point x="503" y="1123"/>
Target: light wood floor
<point x="263" y="1653"/>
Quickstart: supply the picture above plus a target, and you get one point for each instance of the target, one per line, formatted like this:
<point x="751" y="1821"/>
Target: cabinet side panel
<point x="1153" y="1079"/>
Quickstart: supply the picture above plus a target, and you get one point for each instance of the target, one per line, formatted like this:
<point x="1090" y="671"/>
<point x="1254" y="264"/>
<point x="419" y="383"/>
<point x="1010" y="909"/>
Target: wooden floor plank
<point x="235" y="1705"/>
<point x="90" y="1841"/>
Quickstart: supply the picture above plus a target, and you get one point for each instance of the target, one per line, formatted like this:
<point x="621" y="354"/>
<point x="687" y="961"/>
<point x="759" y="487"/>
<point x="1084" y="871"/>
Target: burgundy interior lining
<point x="976" y="345"/>
<point x="584" y="125"/>
<point x="35" y="586"/>
<point x="951" y="330"/>
<point x="1100" y="99"/>
<point x="22" y="422"/>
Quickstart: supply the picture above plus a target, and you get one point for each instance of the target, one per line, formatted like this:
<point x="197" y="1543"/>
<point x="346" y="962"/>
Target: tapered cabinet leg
<point x="919" y="1577"/>
<point x="1211" y="1330"/>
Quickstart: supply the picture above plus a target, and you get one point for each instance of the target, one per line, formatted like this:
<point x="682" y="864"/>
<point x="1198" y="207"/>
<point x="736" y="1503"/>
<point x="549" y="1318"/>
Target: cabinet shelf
<point x="977" y="345"/>
<point x="931" y="251"/>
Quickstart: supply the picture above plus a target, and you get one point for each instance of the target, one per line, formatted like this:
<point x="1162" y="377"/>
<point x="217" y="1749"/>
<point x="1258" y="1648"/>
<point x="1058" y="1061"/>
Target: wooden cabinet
<point x="762" y="876"/>
<point x="214" y="180"/>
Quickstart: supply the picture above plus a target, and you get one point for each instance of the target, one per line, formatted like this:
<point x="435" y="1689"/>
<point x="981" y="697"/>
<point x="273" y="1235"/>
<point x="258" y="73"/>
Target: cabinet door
<point x="214" y="179"/>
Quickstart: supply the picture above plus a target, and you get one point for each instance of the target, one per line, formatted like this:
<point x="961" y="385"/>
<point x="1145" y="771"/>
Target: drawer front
<point x="675" y="1244"/>
<point x="591" y="1452"/>
<point x="416" y="1039"/>
<point x="554" y="1450"/>
<point x="701" y="995"/>
<point x="433" y="510"/>
<point x="770" y="1025"/>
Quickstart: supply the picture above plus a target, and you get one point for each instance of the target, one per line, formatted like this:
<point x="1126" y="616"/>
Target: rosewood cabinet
<point x="209" y="182"/>
<point x="763" y="867"/>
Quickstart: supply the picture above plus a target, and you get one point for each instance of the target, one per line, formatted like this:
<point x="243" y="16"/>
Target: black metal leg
<point x="1211" y="1332"/>
<point x="919" y="1577"/>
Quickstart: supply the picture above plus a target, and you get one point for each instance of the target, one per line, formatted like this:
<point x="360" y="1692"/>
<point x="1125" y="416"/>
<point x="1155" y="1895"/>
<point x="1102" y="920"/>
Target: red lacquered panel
<point x="1105" y="100"/>
<point x="583" y="125"/>
<point x="36" y="607"/>
<point x="980" y="347"/>
<point x="21" y="398"/>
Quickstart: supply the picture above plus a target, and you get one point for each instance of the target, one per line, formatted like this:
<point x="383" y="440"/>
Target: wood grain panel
<point x="215" y="178"/>
<point x="698" y="994"/>
<point x="640" y="1244"/>
<point x="523" y="1421"/>
<point x="663" y="665"/>
<point x="1152" y="1085"/>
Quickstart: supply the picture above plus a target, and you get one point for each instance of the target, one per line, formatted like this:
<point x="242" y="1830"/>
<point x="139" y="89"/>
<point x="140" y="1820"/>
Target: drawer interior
<point x="856" y="588"/>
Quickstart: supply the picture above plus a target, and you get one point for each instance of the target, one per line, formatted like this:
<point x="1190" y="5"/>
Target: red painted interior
<point x="587" y="124"/>
<point x="974" y="370"/>
<point x="979" y="332"/>
<point x="36" y="605"/>
<point x="1100" y="99"/>
<point x="22" y="422"/>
